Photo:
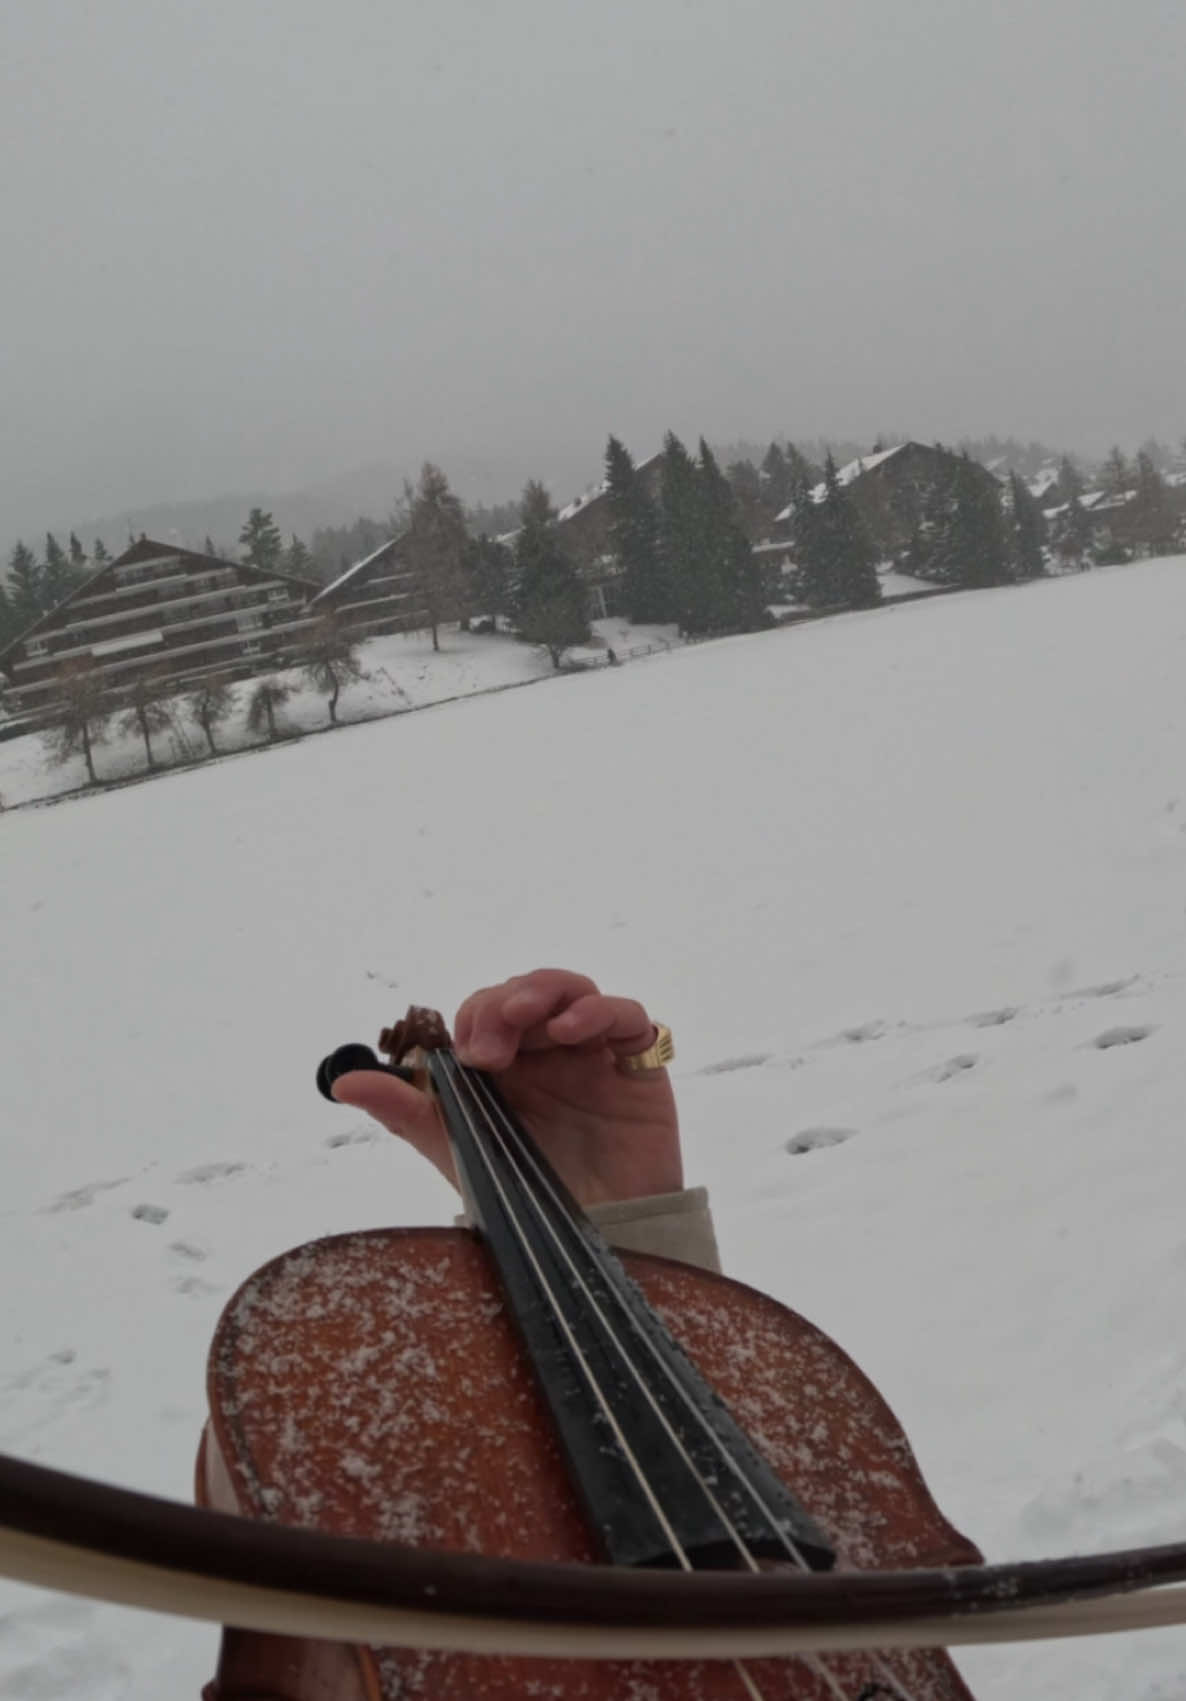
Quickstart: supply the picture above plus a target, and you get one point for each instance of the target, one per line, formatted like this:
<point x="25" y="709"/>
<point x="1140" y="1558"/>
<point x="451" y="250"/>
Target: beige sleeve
<point x="673" y="1225"/>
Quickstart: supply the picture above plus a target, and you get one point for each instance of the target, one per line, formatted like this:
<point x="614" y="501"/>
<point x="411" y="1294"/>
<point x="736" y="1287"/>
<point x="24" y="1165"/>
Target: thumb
<point x="401" y="1109"/>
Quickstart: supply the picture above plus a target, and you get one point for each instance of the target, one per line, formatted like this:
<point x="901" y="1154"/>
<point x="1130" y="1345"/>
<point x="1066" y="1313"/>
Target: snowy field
<point x="910" y="887"/>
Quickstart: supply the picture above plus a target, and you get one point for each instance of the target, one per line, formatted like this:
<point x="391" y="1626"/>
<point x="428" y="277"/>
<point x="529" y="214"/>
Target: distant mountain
<point x="370" y="490"/>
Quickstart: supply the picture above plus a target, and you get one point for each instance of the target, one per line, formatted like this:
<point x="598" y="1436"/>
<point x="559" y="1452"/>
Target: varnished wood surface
<point x="372" y="1385"/>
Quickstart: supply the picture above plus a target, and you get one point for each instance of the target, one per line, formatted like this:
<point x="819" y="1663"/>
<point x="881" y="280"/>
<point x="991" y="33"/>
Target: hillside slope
<point x="908" y="886"/>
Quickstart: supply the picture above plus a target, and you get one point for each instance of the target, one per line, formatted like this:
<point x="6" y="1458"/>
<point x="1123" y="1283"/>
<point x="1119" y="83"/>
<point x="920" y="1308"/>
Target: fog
<point x="255" y="243"/>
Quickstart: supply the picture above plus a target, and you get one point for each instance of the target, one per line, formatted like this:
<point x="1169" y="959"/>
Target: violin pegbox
<point x="408" y="1041"/>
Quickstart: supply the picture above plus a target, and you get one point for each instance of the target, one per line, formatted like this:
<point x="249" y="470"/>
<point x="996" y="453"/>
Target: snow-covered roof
<point x="1042" y="481"/>
<point x="594" y="492"/>
<point x="847" y="473"/>
<point x="344" y="578"/>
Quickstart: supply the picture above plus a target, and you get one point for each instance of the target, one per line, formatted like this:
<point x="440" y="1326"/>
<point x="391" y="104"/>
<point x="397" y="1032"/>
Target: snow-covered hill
<point x="910" y="887"/>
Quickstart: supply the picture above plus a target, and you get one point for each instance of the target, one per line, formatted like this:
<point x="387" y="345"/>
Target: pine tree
<point x="208" y="547"/>
<point x="25" y="577"/>
<point x="733" y="575"/>
<point x="211" y="703"/>
<point x="99" y="553"/>
<point x="548" y="594"/>
<point x="9" y="624"/>
<point x="298" y="559"/>
<point x="262" y="544"/>
<point x="1116" y="474"/>
<point x="809" y="543"/>
<point x="1155" y="524"/>
<point x="852" y="563"/>
<point x="1072" y="533"/>
<point x="77" y="553"/>
<point x="682" y="541"/>
<point x="328" y="658"/>
<point x="145" y="697"/>
<point x="488" y="567"/>
<point x="1028" y="529"/>
<point x="978" y="554"/>
<point x="80" y="717"/>
<point x="745" y="481"/>
<point x="634" y="539"/>
<point x="435" y="548"/>
<point x="1070" y="482"/>
<point x="268" y="696"/>
<point x="776" y="481"/>
<point x="57" y="579"/>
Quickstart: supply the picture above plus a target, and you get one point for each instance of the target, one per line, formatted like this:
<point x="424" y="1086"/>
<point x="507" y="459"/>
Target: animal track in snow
<point x="78" y="1198"/>
<point x="155" y="1214"/>
<point x="194" y="1285"/>
<point x="373" y="974"/>
<point x="1105" y="989"/>
<point x="954" y="1066"/>
<point x="208" y="1172"/>
<point x="356" y="1137"/>
<point x="750" y="1060"/>
<point x="995" y="1018"/>
<point x="1121" y="1036"/>
<point x="187" y="1249"/>
<point x="815" y="1139"/>
<point x="861" y="1034"/>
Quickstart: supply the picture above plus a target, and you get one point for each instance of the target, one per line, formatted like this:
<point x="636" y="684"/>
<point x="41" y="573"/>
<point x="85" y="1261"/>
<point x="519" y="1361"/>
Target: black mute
<point x="348" y="1058"/>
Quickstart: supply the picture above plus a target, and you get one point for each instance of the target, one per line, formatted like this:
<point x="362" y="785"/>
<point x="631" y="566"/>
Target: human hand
<point x="552" y="1042"/>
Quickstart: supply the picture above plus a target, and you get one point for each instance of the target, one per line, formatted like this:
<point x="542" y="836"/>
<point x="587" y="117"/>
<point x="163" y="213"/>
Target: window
<point x="35" y="647"/>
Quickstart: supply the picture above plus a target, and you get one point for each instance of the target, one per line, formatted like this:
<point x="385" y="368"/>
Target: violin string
<point x="457" y="1074"/>
<point x="607" y="1325"/>
<point x="484" y="1103"/>
<point x="521" y="1156"/>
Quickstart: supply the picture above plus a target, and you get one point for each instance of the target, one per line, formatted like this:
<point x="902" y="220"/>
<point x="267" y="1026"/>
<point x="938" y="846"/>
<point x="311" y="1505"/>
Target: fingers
<point x="402" y="1109"/>
<point x="551" y="1007"/>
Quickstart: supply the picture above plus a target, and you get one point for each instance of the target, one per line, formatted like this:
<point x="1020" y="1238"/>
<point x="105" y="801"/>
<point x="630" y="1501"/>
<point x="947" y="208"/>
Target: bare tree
<point x="82" y="716"/>
<point x="436" y="547"/>
<point x="267" y="697"/>
<point x="210" y="704"/>
<point x="146" y="710"/>
<point x="329" y="660"/>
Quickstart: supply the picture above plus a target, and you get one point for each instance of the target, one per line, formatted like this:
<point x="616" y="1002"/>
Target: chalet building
<point x="377" y="594"/>
<point x="169" y="611"/>
<point x="894" y="491"/>
<point x="585" y="527"/>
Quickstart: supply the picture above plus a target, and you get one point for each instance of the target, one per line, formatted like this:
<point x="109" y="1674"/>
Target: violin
<point x="520" y="1390"/>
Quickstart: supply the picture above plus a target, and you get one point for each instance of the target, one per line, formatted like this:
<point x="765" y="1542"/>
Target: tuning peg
<point x="351" y="1057"/>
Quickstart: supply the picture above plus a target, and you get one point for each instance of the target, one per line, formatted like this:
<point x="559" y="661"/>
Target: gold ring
<point x="656" y="1056"/>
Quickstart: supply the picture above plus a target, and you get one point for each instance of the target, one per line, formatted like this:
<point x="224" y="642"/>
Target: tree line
<point x="91" y="705"/>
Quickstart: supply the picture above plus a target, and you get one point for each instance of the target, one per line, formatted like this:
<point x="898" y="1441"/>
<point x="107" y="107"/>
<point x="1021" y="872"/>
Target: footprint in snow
<point x="187" y="1249"/>
<point x="355" y="1137"/>
<point x="78" y="1198"/>
<point x="815" y="1139"/>
<point x="155" y="1214"/>
<point x="995" y="1018"/>
<point x="751" y="1060"/>
<point x="208" y="1172"/>
<point x="955" y="1066"/>
<point x="1121" y="1036"/>
<point x="1105" y="989"/>
<point x="861" y="1034"/>
<point x="194" y="1285"/>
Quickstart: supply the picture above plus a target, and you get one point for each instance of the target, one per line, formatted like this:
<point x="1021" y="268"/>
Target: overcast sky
<point x="252" y="243"/>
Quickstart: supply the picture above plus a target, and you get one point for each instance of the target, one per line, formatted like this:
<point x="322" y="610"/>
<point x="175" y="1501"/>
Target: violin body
<point x="373" y="1384"/>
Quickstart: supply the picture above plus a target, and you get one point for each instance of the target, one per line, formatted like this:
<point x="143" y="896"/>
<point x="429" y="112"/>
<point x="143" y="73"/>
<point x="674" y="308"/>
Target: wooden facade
<point x="378" y="594"/>
<point x="156" y="608"/>
<point x="894" y="489"/>
<point x="585" y="528"/>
